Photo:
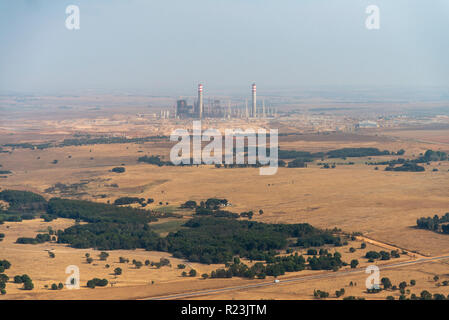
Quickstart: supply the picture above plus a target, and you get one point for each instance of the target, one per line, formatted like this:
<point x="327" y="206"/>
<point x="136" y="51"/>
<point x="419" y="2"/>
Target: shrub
<point x="118" y="169"/>
<point x="96" y="282"/>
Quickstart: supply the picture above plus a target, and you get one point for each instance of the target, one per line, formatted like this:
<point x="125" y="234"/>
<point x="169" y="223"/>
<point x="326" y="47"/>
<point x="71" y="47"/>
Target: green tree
<point x="426" y="295"/>
<point x="28" y="285"/>
<point x="192" y="273"/>
<point x="386" y="283"/>
<point x="117" y="271"/>
<point x="354" y="263"/>
<point x="104" y="255"/>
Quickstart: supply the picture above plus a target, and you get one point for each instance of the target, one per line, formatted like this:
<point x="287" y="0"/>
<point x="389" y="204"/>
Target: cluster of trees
<point x="97" y="212"/>
<point x="297" y="163"/>
<point x="303" y="155"/>
<point x="318" y="239"/>
<point x="40" y="238"/>
<point x="129" y="200"/>
<point x="427" y="157"/>
<point x="212" y="207"/>
<point x="110" y="236"/>
<point x="156" y="160"/>
<point x="340" y="292"/>
<point x="214" y="238"/>
<point x="123" y="260"/>
<point x="426" y="295"/>
<point x="276" y="267"/>
<point x="190" y="204"/>
<point x="326" y="262"/>
<point x="382" y="255"/>
<point x="58" y="286"/>
<point x="209" y="204"/>
<point x="107" y="140"/>
<point x="162" y="262"/>
<point x="23" y="201"/>
<point x="436" y="223"/>
<point x="320" y="294"/>
<point x="406" y="167"/>
<point x="192" y="273"/>
<point x="343" y="153"/>
<point x="68" y="189"/>
<point x="431" y="155"/>
<point x="217" y="240"/>
<point x="40" y="146"/>
<point x="4" y="265"/>
<point x="96" y="282"/>
<point x="103" y="256"/>
<point x="87" y="140"/>
<point x="26" y="280"/>
<point x="356" y="152"/>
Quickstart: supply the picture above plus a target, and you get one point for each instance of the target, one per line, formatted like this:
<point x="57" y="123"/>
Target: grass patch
<point x="166" y="227"/>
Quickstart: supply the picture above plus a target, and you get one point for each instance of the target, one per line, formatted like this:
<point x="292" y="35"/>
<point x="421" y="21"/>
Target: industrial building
<point x="213" y="108"/>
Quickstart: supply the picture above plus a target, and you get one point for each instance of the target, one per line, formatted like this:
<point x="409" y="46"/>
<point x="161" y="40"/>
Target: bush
<point x="192" y="273"/>
<point x="354" y="263"/>
<point x="372" y="255"/>
<point x="386" y="283"/>
<point x="118" y="169"/>
<point x="320" y="294"/>
<point x="28" y="285"/>
<point x="5" y="264"/>
<point x="104" y="256"/>
<point x="123" y="260"/>
<point x="96" y="282"/>
<point x="189" y="204"/>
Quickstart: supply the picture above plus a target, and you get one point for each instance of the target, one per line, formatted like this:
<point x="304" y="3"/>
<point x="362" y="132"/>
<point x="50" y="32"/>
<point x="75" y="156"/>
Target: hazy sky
<point x="167" y="46"/>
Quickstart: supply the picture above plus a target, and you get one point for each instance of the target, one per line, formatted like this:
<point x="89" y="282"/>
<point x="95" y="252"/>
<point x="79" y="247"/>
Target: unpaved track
<point x="188" y="295"/>
<point x="413" y="255"/>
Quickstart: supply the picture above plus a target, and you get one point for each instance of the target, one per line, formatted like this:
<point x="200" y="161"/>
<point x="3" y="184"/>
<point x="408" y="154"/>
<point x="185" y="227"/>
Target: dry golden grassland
<point x="356" y="198"/>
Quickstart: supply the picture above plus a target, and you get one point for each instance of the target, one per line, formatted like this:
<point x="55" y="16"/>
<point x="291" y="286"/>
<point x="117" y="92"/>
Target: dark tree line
<point x="436" y="223"/>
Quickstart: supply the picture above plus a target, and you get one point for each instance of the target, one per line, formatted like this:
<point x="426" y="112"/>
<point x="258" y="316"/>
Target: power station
<point x="212" y="108"/>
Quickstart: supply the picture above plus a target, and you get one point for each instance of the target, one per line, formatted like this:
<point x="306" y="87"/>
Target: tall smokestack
<point x="200" y="101"/>
<point x="254" y="101"/>
<point x="263" y="108"/>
